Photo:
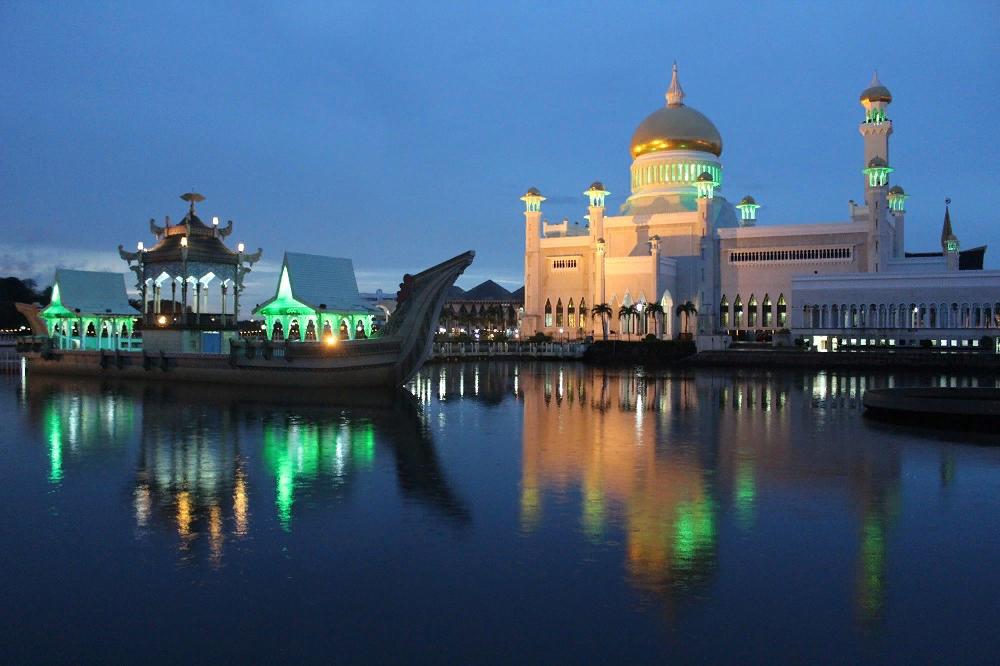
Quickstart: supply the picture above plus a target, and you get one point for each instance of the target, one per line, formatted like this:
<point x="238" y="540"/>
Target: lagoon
<point x="495" y="512"/>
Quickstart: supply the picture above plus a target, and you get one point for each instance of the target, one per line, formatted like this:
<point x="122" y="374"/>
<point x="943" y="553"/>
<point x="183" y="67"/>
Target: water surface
<point x="496" y="512"/>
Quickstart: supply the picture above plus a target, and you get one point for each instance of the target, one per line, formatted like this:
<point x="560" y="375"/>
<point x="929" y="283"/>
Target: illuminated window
<point x="766" y="310"/>
<point x="724" y="313"/>
<point x="548" y="313"/>
<point x="559" y="313"/>
<point x="752" y="312"/>
<point x="782" y="311"/>
<point x="583" y="313"/>
<point x="738" y="312"/>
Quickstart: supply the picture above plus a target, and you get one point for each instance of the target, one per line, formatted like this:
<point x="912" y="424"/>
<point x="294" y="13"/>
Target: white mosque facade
<point x="677" y="239"/>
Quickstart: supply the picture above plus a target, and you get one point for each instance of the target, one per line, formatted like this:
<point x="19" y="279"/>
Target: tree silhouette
<point x="687" y="308"/>
<point x="602" y="310"/>
<point x="652" y="310"/>
<point x="627" y="313"/>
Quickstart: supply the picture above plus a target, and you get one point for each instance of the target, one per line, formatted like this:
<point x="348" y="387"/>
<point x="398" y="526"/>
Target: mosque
<point x="677" y="240"/>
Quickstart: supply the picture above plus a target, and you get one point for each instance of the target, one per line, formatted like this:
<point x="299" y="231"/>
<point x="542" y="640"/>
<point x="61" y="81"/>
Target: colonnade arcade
<point x="83" y="332"/>
<point x="192" y="292"/>
<point x="751" y="314"/>
<point x="902" y="316"/>
<point x="314" y="326"/>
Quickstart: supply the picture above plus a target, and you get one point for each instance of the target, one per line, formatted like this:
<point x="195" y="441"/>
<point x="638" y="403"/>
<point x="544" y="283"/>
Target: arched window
<point x="571" y="314"/>
<point x="724" y="312"/>
<point x="548" y="313"/>
<point x="782" y="312"/>
<point x="559" y="313"/>
<point x="359" y="330"/>
<point x="293" y="330"/>
<point x="767" y="311"/>
<point x="583" y="313"/>
<point x="277" y="332"/>
<point x="344" y="332"/>
<point x="752" y="312"/>
<point x="311" y="331"/>
<point x="738" y="312"/>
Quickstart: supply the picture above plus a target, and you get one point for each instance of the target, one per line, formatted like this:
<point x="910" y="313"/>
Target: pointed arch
<point x="782" y="312"/>
<point x="559" y="312"/>
<point x="752" y="312"/>
<point x="724" y="312"/>
<point x="570" y="314"/>
<point x="766" y="312"/>
<point x="548" y="313"/>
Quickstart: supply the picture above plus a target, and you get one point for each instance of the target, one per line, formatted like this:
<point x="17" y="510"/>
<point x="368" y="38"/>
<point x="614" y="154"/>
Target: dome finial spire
<point x="675" y="95"/>
<point x="875" y="81"/>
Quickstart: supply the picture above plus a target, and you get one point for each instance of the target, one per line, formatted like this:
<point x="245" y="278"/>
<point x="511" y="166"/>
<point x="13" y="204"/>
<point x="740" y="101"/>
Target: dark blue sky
<point x="400" y="134"/>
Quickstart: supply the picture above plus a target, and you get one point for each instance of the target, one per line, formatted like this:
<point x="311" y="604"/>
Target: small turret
<point x="949" y="241"/>
<point x="748" y="209"/>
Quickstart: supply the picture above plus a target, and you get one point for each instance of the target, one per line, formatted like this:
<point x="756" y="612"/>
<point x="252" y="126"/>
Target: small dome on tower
<point x="747" y="200"/>
<point x="597" y="185"/>
<point x="705" y="177"/>
<point x="877" y="162"/>
<point x="876" y="92"/>
<point x="533" y="192"/>
<point x="896" y="189"/>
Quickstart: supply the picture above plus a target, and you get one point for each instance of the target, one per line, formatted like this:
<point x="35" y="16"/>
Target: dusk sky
<point x="400" y="134"/>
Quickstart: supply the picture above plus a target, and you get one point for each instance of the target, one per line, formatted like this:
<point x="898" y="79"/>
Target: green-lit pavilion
<point x="89" y="310"/>
<point x="316" y="298"/>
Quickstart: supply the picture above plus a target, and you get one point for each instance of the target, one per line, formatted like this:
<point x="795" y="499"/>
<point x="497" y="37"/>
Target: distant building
<point x="487" y="300"/>
<point x="677" y="239"/>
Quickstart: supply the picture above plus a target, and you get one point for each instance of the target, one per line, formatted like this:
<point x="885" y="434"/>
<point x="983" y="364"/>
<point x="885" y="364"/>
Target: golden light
<point x="330" y="340"/>
<point x="162" y="320"/>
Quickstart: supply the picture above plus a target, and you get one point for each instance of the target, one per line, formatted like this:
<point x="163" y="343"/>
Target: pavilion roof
<point x="90" y="293"/>
<point x="319" y="282"/>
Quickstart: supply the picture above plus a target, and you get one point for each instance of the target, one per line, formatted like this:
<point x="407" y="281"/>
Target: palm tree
<point x="626" y="313"/>
<point x="687" y="309"/>
<point x="602" y="310"/>
<point x="652" y="310"/>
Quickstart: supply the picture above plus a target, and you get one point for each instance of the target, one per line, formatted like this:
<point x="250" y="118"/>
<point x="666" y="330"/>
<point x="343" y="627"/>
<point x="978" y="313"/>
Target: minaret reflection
<point x="670" y="461"/>
<point x="617" y="448"/>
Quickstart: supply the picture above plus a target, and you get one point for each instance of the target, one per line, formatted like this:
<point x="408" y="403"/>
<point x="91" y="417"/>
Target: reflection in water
<point x="77" y="422"/>
<point x="665" y="459"/>
<point x="191" y="472"/>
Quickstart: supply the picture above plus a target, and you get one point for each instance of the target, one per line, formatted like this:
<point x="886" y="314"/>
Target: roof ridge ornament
<point x="675" y="94"/>
<point x="192" y="197"/>
<point x="875" y="81"/>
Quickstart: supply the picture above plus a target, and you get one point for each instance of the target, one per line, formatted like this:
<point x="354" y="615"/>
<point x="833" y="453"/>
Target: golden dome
<point x="876" y="92"/>
<point x="675" y="127"/>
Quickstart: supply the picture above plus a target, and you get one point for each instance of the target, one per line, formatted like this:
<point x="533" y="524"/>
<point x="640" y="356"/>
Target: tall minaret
<point x="596" y="194"/>
<point x="876" y="128"/>
<point x="532" y="261"/>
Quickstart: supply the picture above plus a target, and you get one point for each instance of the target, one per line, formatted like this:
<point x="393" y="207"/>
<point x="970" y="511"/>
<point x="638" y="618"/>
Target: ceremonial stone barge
<point x="318" y="330"/>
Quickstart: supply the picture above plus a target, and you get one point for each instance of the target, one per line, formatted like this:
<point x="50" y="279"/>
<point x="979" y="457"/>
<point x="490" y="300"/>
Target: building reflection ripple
<point x="201" y="454"/>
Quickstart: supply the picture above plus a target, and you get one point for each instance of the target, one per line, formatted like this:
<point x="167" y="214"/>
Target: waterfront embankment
<point x="889" y="359"/>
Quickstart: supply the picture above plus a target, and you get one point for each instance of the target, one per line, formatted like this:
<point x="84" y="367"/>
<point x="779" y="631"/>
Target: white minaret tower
<point x="876" y="128"/>
<point x="532" y="261"/>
